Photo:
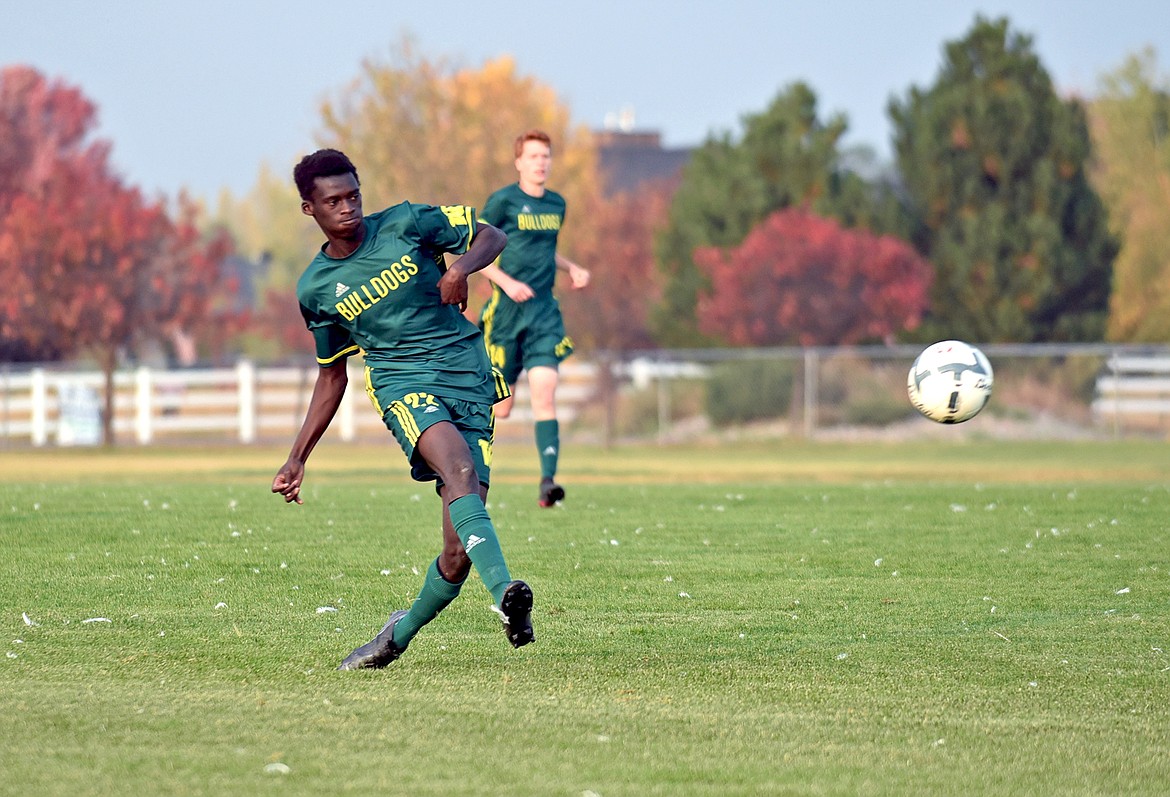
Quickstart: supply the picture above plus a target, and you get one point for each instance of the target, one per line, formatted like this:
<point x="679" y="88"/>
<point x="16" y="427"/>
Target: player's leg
<point x="504" y="406"/>
<point x="542" y="387"/>
<point x="545" y="346"/>
<point x="469" y="537"/>
<point x="409" y="421"/>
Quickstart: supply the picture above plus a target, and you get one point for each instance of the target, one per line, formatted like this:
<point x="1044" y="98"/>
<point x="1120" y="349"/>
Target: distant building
<point x="631" y="160"/>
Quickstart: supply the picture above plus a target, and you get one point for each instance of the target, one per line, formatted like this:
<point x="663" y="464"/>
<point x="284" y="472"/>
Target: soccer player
<point x="522" y="322"/>
<point x="379" y="286"/>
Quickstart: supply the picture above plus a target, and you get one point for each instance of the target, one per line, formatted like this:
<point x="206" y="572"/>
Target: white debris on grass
<point x="842" y="656"/>
<point x="684" y="595"/>
<point x="1122" y="591"/>
<point x="958" y="508"/>
<point x="97" y="620"/>
<point x="28" y="620"/>
<point x="277" y="768"/>
<point x="325" y="609"/>
<point x="221" y="605"/>
<point x="878" y="562"/>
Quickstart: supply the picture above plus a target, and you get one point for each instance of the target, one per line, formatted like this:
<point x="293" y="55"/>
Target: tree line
<point x="1010" y="213"/>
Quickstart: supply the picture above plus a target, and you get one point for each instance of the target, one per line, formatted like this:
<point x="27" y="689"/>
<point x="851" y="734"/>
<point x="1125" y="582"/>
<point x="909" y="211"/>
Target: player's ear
<point x="307" y="208"/>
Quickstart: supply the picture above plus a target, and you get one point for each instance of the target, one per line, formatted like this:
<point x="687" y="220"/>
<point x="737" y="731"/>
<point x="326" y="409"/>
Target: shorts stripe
<point x="489" y="315"/>
<point x="371" y="394"/>
<point x="502" y="389"/>
<point x="405" y="421"/>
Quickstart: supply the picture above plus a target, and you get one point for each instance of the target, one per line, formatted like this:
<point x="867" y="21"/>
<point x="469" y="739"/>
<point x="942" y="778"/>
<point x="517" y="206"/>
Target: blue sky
<point x="199" y="94"/>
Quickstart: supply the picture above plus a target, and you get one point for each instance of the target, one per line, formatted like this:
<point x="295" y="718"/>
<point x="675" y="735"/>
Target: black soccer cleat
<point x="550" y="493"/>
<point x="515" y="611"/>
<point x="379" y="651"/>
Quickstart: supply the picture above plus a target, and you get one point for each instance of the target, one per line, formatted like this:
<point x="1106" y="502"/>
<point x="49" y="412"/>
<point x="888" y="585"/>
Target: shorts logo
<point x="431" y="408"/>
<point x="472" y="541"/>
<point x="341" y="289"/>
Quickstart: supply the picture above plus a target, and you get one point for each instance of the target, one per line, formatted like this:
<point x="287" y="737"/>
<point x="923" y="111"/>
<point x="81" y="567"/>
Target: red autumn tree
<point x="618" y="249"/>
<point x="86" y="263"/>
<point x="801" y="279"/>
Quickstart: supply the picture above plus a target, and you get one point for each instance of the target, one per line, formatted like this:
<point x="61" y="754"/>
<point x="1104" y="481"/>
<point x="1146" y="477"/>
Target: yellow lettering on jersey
<point x="399" y="273"/>
<point x="485" y="448"/>
<point x="378" y="288"/>
<point x="538" y="221"/>
<point x="456" y="215"/>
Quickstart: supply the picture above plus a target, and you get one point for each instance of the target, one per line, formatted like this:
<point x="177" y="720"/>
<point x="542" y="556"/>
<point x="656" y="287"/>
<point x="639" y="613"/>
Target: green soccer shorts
<point x="410" y="414"/>
<point x="524" y="335"/>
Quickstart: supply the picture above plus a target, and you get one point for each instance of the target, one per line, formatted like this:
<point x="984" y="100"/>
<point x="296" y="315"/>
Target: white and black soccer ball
<point x="950" y="382"/>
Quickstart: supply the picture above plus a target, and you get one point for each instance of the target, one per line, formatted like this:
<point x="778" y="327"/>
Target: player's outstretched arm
<point x="327" y="395"/>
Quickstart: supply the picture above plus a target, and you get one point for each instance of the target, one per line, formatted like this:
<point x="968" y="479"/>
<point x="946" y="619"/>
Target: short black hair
<point x="322" y="163"/>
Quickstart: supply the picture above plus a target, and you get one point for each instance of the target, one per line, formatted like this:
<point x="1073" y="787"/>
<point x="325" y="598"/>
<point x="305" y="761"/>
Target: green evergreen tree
<point x="787" y="157"/>
<point x="994" y="167"/>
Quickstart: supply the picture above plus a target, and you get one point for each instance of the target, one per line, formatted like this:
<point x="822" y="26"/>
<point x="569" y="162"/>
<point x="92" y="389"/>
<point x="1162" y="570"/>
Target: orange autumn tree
<point x="801" y="279"/>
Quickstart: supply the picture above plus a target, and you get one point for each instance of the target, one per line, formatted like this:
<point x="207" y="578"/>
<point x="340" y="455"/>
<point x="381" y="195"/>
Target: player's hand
<point x="578" y="277"/>
<point x="453" y="288"/>
<point x="518" y="291"/>
<point x="288" y="481"/>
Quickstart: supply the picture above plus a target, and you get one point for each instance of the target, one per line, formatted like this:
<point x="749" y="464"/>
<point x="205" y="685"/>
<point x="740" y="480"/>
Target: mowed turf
<point x="780" y="618"/>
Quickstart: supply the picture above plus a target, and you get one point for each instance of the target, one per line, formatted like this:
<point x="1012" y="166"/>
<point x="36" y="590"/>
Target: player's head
<point x="330" y="193"/>
<point x="322" y="163"/>
<point x="532" y="135"/>
<point x="533" y="157"/>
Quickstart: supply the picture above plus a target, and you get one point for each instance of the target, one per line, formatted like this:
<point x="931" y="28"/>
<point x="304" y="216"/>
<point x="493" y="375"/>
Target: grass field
<point x="780" y="618"/>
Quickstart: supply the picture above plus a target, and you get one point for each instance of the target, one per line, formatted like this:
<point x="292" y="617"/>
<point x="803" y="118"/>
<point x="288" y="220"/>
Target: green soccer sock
<point x="548" y="446"/>
<point x="434" y="596"/>
<point x="478" y="535"/>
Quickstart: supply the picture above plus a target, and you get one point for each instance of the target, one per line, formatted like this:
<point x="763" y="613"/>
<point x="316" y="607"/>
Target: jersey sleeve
<point x="445" y="228"/>
<point x="494" y="210"/>
<point x="332" y="343"/>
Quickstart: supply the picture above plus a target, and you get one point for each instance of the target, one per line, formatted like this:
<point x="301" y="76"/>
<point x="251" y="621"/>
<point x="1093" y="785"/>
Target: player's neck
<point x="340" y="248"/>
<point x="535" y="190"/>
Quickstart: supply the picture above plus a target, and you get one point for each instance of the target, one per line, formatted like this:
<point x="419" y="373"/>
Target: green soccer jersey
<point x="532" y="224"/>
<point x="384" y="300"/>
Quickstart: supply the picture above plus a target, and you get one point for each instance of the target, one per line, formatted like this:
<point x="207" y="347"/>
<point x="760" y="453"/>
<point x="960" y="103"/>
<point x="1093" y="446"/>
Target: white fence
<point x="244" y="404"/>
<point x="1134" y="386"/>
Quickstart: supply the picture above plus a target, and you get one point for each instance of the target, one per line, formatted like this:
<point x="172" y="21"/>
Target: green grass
<point x="983" y="618"/>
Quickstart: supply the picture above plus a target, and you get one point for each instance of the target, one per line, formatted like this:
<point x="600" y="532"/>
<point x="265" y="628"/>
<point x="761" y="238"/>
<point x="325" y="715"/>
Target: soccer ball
<point x="950" y="382"/>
